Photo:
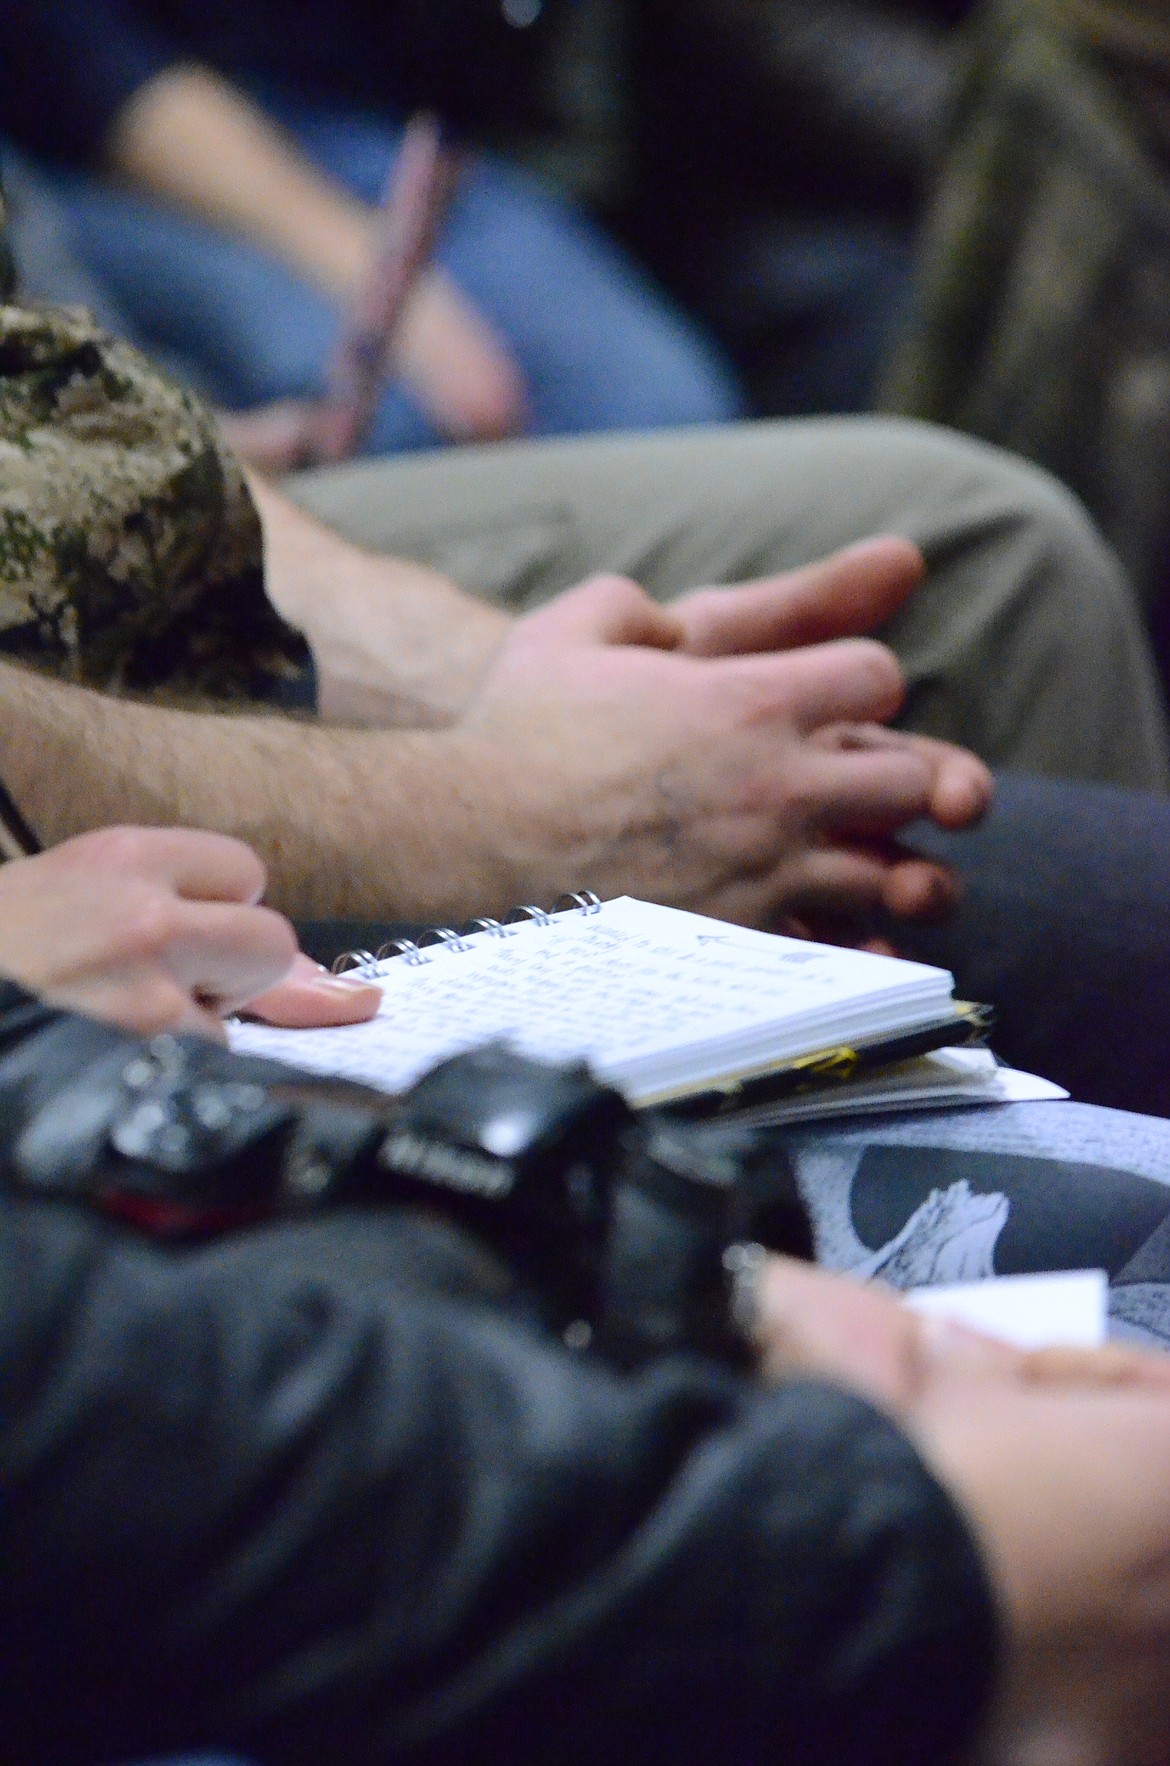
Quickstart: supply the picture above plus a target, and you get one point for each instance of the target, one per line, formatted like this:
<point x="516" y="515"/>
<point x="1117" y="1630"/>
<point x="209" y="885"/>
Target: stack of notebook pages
<point x="671" y="1007"/>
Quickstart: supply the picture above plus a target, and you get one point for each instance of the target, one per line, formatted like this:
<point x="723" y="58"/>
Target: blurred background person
<point x="768" y="160"/>
<point x="218" y="169"/>
<point x="1040" y="315"/>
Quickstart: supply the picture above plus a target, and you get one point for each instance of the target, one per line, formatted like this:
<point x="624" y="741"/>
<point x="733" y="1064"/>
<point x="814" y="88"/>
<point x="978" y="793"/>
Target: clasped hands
<point x="726" y="753"/>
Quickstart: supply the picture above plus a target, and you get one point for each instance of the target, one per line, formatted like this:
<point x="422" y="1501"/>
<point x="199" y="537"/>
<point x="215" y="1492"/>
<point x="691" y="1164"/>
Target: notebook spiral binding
<point x="362" y="963"/>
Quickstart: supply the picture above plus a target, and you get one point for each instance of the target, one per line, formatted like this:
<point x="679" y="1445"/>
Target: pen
<point x="295" y="433"/>
<point x="419" y="191"/>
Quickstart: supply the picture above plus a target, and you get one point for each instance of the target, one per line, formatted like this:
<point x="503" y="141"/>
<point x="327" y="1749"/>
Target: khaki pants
<point x="1025" y="642"/>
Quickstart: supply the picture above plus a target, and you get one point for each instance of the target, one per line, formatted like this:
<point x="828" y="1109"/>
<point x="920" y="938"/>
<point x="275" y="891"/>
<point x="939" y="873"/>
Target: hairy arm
<point x="329" y="810"/>
<point x="595" y="754"/>
<point x="394" y="642"/>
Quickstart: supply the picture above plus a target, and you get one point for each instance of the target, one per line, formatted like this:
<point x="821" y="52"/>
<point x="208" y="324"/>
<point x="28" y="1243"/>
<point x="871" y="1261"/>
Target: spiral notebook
<point x="661" y="1003"/>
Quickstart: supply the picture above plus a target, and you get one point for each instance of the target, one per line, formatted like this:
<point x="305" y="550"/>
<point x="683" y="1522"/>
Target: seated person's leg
<point x="962" y="1195"/>
<point x="1065" y="929"/>
<point x="1025" y="642"/>
<point x="600" y="346"/>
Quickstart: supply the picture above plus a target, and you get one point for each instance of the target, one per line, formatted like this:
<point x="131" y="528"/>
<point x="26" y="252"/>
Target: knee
<point x="1044" y="544"/>
<point x="1057" y="534"/>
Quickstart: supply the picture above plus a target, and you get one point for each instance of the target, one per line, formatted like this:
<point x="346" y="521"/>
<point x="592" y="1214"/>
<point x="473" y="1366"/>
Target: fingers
<point x="607" y="610"/>
<point x="852" y="681"/>
<point x="916" y="889"/>
<point x="195" y="864"/>
<point x="226" y="954"/>
<point x="810" y="1322"/>
<point x="839" y="891"/>
<point x="847" y="595"/>
<point x="962" y="787"/>
<point x="310" y="997"/>
<point x="1113" y="1367"/>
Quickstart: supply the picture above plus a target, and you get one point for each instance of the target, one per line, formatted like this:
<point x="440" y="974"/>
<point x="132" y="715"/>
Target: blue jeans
<point x="600" y="347"/>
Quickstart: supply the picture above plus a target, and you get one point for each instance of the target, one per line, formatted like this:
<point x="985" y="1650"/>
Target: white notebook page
<point x="651" y="996"/>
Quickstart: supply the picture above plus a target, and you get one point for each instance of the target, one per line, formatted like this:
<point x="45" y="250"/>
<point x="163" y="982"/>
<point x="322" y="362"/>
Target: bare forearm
<point x="349" y="823"/>
<point x="394" y="642"/>
<point x="191" y="137"/>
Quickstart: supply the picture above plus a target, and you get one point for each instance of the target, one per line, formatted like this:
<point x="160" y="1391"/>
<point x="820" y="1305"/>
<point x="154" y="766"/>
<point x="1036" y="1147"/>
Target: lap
<point x="1025" y="643"/>
<point x="963" y="1195"/>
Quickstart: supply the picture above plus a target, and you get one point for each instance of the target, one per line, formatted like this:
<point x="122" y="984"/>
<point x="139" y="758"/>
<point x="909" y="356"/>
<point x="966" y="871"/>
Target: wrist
<point x="399" y="645"/>
<point x="395" y="643"/>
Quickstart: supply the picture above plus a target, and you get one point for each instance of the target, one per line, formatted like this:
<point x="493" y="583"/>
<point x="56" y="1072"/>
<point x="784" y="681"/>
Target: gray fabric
<point x="964" y="1194"/>
<point x="1024" y="644"/>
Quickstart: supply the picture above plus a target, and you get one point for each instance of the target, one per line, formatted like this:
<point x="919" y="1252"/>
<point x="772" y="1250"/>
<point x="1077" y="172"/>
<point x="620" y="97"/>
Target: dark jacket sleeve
<point x="321" y="1493"/>
<point x="68" y="66"/>
<point x="280" y="1496"/>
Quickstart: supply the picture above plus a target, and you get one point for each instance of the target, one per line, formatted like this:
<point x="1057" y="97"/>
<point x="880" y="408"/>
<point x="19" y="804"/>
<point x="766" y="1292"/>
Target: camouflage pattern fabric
<point x="7" y="267"/>
<point x="1041" y="315"/>
<point x="130" y="549"/>
<point x="1136" y="29"/>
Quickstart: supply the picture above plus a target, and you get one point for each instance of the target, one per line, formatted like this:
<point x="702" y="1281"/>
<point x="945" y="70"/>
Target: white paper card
<point x="1066" y="1310"/>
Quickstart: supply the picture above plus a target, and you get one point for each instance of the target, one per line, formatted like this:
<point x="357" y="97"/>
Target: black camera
<point x="633" y="1234"/>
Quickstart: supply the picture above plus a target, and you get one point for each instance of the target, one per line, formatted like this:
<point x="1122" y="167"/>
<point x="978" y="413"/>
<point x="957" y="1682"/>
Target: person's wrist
<point x="394" y="642"/>
<point x="340" y="248"/>
<point x="402" y="645"/>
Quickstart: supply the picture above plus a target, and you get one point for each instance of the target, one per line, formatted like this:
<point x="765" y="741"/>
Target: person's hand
<point x="850" y="594"/>
<point x="310" y="998"/>
<point x="1068" y="1493"/>
<point x="1060" y="1460"/>
<point x="159" y="930"/>
<point x="753" y="787"/>
<point x="825" y="1325"/>
<point x="458" y="369"/>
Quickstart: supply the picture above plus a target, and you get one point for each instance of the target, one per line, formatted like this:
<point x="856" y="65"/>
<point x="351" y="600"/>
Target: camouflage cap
<point x="130" y="548"/>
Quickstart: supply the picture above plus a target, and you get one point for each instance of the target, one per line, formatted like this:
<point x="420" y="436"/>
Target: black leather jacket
<point x="316" y="1493"/>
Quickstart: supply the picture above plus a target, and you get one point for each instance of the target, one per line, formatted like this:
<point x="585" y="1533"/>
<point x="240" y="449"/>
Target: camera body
<point x="631" y="1234"/>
